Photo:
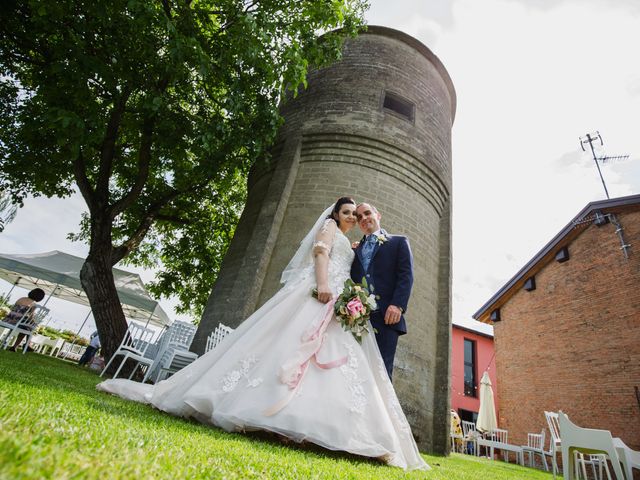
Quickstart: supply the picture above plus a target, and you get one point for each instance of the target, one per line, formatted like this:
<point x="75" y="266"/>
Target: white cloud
<point x="42" y="225"/>
<point x="531" y="78"/>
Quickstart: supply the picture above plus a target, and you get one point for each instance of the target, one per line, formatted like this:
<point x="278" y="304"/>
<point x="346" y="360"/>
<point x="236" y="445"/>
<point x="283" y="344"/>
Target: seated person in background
<point x="23" y="306"/>
<point x="92" y="348"/>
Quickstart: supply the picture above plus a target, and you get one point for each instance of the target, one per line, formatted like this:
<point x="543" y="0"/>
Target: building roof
<point x="474" y="326"/>
<point x="572" y="230"/>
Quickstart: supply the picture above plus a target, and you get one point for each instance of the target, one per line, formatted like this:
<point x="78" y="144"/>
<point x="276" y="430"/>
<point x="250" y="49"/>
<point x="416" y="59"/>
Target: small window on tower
<point x="398" y="105"/>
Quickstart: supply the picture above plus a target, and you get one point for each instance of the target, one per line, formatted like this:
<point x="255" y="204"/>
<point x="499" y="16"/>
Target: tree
<point x="8" y="210"/>
<point x="153" y="110"/>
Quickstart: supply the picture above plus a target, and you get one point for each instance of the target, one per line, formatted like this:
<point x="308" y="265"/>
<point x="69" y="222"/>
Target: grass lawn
<point x="54" y="424"/>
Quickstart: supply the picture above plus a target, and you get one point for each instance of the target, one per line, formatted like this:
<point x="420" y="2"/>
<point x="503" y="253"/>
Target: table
<point x="492" y="445"/>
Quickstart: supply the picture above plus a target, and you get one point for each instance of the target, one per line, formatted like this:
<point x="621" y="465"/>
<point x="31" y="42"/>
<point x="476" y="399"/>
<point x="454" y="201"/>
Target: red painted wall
<point x="485" y="359"/>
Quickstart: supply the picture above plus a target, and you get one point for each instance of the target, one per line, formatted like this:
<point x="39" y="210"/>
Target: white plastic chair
<point x="555" y="441"/>
<point x="73" y="351"/>
<point x="178" y="337"/>
<point x="134" y="345"/>
<point x="173" y="360"/>
<point x="535" y="445"/>
<point x="26" y="325"/>
<point x="585" y="440"/>
<point x="502" y="436"/>
<point x="598" y="463"/>
<point x="629" y="458"/>
<point x="46" y="345"/>
<point x="469" y="433"/>
<point x="216" y="336"/>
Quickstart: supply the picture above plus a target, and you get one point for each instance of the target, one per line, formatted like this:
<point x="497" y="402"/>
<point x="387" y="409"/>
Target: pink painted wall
<point x="485" y="358"/>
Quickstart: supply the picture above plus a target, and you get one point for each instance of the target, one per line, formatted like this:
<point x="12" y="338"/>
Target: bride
<point x="288" y="369"/>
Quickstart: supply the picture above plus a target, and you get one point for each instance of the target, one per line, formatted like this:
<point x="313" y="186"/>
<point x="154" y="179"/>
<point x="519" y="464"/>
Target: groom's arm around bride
<point x="385" y="261"/>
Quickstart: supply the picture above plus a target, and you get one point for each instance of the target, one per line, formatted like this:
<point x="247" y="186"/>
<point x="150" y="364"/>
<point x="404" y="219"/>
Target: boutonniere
<point x="382" y="239"/>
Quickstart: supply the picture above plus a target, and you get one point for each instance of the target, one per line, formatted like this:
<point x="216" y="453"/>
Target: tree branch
<point x="144" y="159"/>
<point x="167" y="8"/>
<point x="80" y="174"/>
<point x="173" y="219"/>
<point x="149" y="217"/>
<point x="107" y="150"/>
<point x="153" y="214"/>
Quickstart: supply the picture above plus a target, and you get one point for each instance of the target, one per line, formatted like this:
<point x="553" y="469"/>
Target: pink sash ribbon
<point x="294" y="369"/>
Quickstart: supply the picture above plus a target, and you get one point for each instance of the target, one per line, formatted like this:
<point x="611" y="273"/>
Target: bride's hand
<point x="324" y="293"/>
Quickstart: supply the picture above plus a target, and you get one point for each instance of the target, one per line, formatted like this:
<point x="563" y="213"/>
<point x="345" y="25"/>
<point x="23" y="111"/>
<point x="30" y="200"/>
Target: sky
<point x="531" y="78"/>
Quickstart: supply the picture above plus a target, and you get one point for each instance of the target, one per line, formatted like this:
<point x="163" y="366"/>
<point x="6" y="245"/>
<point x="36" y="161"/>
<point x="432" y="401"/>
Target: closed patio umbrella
<point x="487" y="420"/>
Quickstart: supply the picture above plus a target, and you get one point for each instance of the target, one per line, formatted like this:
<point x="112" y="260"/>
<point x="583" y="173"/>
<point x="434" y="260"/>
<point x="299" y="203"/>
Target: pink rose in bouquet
<point x="355" y="307"/>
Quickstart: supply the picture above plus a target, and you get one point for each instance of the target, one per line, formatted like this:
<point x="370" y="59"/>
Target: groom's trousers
<point x="387" y="339"/>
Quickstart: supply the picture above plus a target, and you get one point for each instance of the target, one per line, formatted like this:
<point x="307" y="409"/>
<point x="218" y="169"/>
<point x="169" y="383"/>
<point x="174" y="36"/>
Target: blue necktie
<point x="367" y="251"/>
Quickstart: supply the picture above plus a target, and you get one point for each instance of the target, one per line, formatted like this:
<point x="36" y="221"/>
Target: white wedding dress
<point x="347" y="405"/>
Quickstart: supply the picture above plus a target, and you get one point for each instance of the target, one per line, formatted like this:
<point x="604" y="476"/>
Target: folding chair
<point x="535" y="445"/>
<point x="177" y="338"/>
<point x="134" y="345"/>
<point x="216" y="336"/>
<point x="26" y="325"/>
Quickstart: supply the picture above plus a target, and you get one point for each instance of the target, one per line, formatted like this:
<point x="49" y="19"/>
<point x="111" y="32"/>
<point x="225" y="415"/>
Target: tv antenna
<point x="590" y="138"/>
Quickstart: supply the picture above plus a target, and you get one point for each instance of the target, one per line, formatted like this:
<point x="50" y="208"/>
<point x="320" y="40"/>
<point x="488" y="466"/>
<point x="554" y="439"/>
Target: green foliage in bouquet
<point x="354" y="306"/>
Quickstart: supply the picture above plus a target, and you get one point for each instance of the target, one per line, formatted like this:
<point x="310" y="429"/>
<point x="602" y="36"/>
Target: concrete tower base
<point x="375" y="126"/>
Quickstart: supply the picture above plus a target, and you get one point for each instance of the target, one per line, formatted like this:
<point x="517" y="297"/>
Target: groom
<point x="387" y="264"/>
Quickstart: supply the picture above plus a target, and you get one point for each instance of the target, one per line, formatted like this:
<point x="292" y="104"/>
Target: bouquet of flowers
<point x="353" y="307"/>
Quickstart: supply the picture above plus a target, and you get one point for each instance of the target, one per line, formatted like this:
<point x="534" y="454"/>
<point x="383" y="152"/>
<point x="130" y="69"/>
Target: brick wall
<point x="573" y="344"/>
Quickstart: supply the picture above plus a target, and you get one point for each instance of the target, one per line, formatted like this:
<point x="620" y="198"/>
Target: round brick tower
<point x="376" y="126"/>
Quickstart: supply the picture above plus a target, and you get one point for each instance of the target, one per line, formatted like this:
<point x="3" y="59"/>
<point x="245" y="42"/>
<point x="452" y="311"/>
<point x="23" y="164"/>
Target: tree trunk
<point x="97" y="280"/>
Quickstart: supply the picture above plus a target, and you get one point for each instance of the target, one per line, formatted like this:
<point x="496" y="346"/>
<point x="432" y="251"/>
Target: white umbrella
<point x="487" y="420"/>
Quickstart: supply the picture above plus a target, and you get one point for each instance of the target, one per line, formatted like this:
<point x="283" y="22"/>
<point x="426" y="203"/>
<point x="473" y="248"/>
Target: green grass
<point x="54" y="424"/>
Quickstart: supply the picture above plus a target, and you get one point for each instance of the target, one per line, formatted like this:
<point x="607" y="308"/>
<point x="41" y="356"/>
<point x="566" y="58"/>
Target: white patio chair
<point x="535" y="445"/>
<point x="27" y="325"/>
<point x="216" y="336"/>
<point x="46" y="346"/>
<point x="12" y="326"/>
<point x="585" y="440"/>
<point x="71" y="351"/>
<point x="502" y="436"/>
<point x="134" y="345"/>
<point x="37" y="341"/>
<point x="56" y="348"/>
<point x="173" y="360"/>
<point x="598" y="463"/>
<point x="469" y="434"/>
<point x="554" y="440"/>
<point x="629" y="458"/>
<point x="457" y="443"/>
<point x="178" y="337"/>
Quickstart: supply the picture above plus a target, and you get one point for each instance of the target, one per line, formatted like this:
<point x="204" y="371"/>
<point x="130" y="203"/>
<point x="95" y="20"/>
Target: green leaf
<point x="103" y="85"/>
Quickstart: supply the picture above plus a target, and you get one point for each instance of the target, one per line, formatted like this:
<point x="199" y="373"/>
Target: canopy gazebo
<point x="58" y="274"/>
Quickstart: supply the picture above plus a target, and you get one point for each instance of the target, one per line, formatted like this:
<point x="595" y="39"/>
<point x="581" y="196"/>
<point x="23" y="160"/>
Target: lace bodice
<point x="330" y="239"/>
<point x="340" y="259"/>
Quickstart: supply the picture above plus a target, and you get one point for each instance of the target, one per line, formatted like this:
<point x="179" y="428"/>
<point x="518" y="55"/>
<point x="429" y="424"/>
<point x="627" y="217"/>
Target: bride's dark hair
<point x="336" y="209"/>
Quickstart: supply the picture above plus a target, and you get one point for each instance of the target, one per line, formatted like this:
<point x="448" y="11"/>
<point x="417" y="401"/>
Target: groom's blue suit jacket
<point x="390" y="273"/>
